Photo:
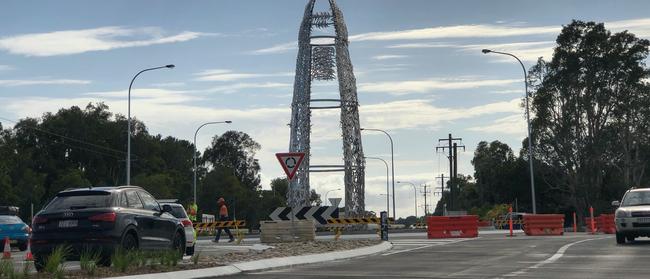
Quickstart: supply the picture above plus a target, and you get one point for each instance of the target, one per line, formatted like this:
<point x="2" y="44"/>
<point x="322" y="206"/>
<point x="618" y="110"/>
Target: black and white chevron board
<point x="318" y="214"/>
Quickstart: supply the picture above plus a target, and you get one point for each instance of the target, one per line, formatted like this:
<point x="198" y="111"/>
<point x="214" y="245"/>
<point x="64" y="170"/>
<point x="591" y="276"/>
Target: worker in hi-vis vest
<point x="192" y="211"/>
<point x="223" y="216"/>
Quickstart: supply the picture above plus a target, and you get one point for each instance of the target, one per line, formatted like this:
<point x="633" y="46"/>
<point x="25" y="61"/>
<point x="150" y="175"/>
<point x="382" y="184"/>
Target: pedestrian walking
<point x="223" y="216"/>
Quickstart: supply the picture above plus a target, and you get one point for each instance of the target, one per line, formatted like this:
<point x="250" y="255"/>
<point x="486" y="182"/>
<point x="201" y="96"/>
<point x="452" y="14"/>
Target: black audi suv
<point x="104" y="219"/>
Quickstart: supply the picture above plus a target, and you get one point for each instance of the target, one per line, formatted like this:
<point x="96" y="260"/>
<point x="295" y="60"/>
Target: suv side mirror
<point x="616" y="203"/>
<point x="166" y="208"/>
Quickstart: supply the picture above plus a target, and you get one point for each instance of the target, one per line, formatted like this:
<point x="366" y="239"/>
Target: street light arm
<point x="194" y="155"/>
<point x="392" y="164"/>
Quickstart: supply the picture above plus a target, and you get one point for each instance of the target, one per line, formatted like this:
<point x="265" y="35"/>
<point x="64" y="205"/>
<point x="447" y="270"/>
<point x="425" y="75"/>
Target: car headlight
<point x="622" y="214"/>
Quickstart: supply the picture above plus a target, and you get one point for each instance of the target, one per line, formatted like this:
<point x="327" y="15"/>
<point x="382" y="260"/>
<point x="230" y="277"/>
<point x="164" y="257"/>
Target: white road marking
<point x="560" y="252"/>
<point x="424" y="243"/>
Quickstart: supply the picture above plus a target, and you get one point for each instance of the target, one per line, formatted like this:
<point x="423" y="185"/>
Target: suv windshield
<point x="80" y="200"/>
<point x="10" y="220"/>
<point x="637" y="198"/>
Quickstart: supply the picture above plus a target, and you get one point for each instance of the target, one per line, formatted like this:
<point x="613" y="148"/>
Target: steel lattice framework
<point x="326" y="61"/>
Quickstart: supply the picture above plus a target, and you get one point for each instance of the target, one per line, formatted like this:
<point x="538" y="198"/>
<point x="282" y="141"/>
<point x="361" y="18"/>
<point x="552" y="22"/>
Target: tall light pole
<point x="530" y="141"/>
<point x="415" y="194"/>
<point x="197" y="131"/>
<point x="392" y="162"/>
<point x="339" y="189"/>
<point x="387" y="189"/>
<point x="128" y="140"/>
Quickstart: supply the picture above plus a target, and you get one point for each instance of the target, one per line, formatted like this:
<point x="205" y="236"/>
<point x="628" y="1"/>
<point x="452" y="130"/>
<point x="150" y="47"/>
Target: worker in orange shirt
<point x="223" y="216"/>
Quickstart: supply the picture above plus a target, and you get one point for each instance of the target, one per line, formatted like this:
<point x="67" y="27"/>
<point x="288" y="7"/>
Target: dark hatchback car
<point x="104" y="219"/>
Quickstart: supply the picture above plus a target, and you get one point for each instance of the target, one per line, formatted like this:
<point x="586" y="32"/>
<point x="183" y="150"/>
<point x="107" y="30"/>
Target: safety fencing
<point x="452" y="226"/>
<point x="338" y="225"/>
<point x="504" y="224"/>
<point x="211" y="227"/>
<point x="543" y="224"/>
<point x="603" y="223"/>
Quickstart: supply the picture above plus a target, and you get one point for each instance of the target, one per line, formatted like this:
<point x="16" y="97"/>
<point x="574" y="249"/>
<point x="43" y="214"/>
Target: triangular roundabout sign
<point x="290" y="162"/>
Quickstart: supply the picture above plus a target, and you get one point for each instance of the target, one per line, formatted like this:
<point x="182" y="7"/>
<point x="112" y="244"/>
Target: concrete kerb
<point x="265" y="264"/>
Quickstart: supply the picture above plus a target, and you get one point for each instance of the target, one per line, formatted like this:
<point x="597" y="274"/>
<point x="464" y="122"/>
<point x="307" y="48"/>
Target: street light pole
<point x="128" y="140"/>
<point x="326" y="193"/>
<point x="194" y="157"/>
<point x="387" y="188"/>
<point x="392" y="162"/>
<point x="530" y="141"/>
<point x="415" y="194"/>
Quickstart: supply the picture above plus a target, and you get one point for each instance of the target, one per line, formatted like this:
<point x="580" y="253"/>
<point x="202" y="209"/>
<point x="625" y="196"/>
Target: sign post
<point x="290" y="163"/>
<point x="384" y="225"/>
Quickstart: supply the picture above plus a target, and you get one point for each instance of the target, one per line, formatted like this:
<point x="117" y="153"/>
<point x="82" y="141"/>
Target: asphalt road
<point x="489" y="256"/>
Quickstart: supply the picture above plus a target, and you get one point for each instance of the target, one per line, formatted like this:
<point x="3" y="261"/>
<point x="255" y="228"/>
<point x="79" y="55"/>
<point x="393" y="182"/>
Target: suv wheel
<point x="630" y="238"/>
<point x="179" y="243"/>
<point x="189" y="250"/>
<point x="39" y="262"/>
<point x="620" y="238"/>
<point x="129" y="241"/>
<point x="22" y="246"/>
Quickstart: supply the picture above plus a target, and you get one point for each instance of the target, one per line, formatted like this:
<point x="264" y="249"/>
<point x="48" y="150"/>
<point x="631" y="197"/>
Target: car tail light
<point x="104" y="217"/>
<point x="186" y="223"/>
<point x="39" y="220"/>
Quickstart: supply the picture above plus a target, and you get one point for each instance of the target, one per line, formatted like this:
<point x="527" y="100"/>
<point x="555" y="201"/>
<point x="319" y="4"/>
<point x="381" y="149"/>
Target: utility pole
<point x="453" y="173"/>
<point x="425" y="192"/>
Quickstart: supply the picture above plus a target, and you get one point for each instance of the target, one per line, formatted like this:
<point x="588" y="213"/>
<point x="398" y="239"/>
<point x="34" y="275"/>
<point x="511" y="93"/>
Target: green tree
<point x="580" y="115"/>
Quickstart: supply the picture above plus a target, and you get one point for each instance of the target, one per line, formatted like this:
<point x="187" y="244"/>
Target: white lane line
<point x="426" y="246"/>
<point x="560" y="252"/>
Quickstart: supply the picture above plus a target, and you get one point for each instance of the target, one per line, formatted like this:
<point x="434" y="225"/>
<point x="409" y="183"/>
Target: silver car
<point x="633" y="215"/>
<point x="179" y="212"/>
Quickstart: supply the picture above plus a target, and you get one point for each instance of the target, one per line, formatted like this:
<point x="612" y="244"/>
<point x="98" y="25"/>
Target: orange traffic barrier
<point x="606" y="223"/>
<point x="544" y="224"/>
<point x="6" y="254"/>
<point x="484" y="224"/>
<point x="452" y="226"/>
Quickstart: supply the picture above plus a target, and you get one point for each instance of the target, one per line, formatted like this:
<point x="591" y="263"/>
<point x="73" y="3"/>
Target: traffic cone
<point x="28" y="255"/>
<point x="6" y="254"/>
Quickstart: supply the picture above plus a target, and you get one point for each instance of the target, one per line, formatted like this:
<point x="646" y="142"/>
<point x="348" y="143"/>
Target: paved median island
<point x="256" y="257"/>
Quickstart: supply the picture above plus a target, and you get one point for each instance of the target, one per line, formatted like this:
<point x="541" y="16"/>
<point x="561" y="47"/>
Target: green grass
<point x="54" y="262"/>
<point x="121" y="260"/>
<point x="195" y="257"/>
<point x="88" y="260"/>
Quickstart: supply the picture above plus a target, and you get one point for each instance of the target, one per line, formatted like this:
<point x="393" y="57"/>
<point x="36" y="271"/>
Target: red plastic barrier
<point x="606" y="223"/>
<point x="544" y="224"/>
<point x="452" y="226"/>
<point x="484" y="224"/>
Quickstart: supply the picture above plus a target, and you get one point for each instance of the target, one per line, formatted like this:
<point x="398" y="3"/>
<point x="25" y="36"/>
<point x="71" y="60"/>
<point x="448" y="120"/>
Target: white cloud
<point x="423" y="45"/>
<point x="411" y="114"/>
<point x="423" y="86"/>
<point x="231" y="88"/>
<point x="168" y="84"/>
<point x="526" y="51"/>
<point x="280" y="48"/>
<point x="388" y="56"/>
<point x="25" y="82"/>
<point x="229" y="75"/>
<point x="85" y="40"/>
<point x="512" y="125"/>
<point x="458" y="31"/>
<point x="152" y="95"/>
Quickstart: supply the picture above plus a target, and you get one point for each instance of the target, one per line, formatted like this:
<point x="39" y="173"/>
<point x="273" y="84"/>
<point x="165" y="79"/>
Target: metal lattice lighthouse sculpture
<point x="326" y="62"/>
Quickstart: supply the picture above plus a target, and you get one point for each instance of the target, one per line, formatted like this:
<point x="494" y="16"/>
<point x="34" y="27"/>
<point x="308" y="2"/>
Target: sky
<point x="419" y="68"/>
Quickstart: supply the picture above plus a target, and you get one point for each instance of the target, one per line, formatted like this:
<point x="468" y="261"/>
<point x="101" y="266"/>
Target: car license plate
<point x="643" y="220"/>
<point x="67" y="223"/>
